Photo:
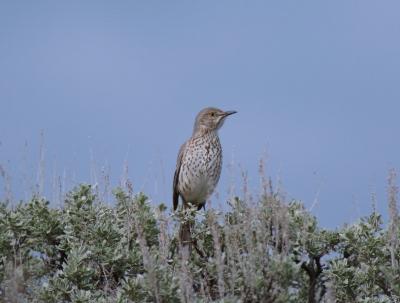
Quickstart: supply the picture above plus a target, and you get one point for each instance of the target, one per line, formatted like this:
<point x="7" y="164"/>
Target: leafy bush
<point x="269" y="251"/>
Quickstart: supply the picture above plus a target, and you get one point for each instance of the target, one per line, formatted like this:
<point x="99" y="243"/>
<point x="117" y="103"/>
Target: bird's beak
<point x="229" y="112"/>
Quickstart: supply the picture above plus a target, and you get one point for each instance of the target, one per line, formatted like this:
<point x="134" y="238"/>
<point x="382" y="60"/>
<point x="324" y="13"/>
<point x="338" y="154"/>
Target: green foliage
<point x="362" y="272"/>
<point x="269" y="251"/>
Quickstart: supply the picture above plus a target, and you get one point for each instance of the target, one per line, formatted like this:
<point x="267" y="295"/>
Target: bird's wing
<point x="175" y="197"/>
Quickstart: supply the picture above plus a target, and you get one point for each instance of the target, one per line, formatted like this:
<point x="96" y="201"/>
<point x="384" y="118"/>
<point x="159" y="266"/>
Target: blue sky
<point x="315" y="83"/>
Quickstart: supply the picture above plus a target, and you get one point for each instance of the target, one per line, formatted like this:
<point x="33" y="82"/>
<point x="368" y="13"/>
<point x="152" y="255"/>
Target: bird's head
<point x="210" y="119"/>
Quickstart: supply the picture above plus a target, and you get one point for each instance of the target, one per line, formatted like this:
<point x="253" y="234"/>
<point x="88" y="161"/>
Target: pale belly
<point x="198" y="189"/>
<point x="199" y="175"/>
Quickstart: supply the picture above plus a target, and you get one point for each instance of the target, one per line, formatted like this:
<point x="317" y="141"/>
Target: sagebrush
<point x="269" y="250"/>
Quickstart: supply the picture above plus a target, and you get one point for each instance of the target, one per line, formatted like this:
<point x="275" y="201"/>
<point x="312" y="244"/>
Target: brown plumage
<point x="199" y="162"/>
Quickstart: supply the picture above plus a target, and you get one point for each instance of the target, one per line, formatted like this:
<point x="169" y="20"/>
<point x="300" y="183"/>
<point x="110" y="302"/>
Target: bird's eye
<point x="212" y="114"/>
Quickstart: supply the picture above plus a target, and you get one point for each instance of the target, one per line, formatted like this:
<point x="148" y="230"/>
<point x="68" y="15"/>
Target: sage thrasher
<point x="199" y="162"/>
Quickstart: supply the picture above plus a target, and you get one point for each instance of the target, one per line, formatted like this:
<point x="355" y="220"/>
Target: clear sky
<point x="316" y="85"/>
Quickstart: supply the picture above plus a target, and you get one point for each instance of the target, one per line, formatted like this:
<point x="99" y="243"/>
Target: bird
<point x="199" y="162"/>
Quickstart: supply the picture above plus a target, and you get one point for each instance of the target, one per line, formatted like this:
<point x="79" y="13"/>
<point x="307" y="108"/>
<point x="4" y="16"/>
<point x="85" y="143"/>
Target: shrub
<point x="264" y="251"/>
